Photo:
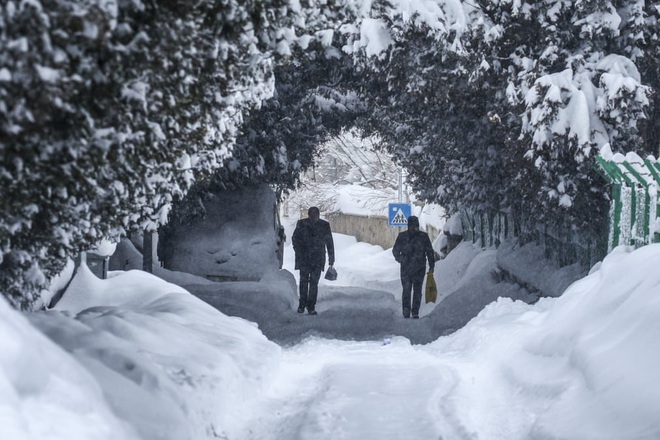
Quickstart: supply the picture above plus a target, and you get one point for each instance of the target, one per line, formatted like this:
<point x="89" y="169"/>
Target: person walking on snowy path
<point x="411" y="249"/>
<point x="310" y="240"/>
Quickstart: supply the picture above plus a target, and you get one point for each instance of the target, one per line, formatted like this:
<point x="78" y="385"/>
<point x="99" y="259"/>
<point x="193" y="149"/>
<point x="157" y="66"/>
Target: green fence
<point x="634" y="206"/>
<point x="634" y="218"/>
<point x="487" y="228"/>
<point x="560" y="242"/>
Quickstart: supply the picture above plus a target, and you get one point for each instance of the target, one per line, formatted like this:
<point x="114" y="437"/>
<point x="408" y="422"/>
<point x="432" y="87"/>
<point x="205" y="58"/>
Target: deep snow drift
<point x="137" y="357"/>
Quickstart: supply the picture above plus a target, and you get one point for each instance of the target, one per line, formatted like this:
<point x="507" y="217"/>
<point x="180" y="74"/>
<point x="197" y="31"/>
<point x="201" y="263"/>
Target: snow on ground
<point x="577" y="367"/>
<point x="135" y="356"/>
<point x="368" y="290"/>
<point x="168" y="364"/>
<point x="331" y="389"/>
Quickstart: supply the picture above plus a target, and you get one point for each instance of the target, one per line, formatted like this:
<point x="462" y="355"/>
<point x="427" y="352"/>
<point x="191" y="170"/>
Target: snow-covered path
<point x="363" y="304"/>
<point x="328" y="389"/>
<point x="355" y="371"/>
<point x="359" y="370"/>
<point x="345" y="313"/>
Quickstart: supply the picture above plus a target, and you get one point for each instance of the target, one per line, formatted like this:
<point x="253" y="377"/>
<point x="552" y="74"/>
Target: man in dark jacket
<point x="412" y="249"/>
<point x="310" y="239"/>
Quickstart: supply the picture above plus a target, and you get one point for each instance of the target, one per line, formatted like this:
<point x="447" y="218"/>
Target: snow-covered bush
<point x="111" y="109"/>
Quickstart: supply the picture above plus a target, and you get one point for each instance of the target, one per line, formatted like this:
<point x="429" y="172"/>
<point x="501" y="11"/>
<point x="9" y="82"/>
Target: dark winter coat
<point x="412" y="249"/>
<point x="310" y="241"/>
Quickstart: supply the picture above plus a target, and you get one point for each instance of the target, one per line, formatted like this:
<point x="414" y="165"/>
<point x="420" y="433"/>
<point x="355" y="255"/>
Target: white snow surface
<point x="136" y="357"/>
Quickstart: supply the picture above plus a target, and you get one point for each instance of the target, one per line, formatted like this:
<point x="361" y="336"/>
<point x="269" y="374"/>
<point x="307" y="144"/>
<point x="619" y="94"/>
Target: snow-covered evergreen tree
<point x="506" y="109"/>
<point x="109" y="110"/>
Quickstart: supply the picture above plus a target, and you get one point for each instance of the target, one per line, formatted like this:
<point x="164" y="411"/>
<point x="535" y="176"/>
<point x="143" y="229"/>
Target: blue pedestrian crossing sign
<point x="398" y="213"/>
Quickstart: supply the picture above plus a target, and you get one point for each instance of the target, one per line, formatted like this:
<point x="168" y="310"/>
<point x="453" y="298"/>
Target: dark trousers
<point x="309" y="288"/>
<point x="412" y="282"/>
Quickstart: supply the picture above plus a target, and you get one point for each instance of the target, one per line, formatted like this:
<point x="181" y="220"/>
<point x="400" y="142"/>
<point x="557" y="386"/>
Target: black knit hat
<point x="413" y="221"/>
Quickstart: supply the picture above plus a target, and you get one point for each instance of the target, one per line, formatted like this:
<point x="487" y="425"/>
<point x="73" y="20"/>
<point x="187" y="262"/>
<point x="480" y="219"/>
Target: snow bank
<point x="141" y="352"/>
<point x="362" y="264"/>
<point x="522" y="263"/>
<point x="467" y="281"/>
<point x="45" y="393"/>
<point x="582" y="366"/>
<point x="135" y="357"/>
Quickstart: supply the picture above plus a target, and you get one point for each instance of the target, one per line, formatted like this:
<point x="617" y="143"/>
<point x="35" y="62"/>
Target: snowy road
<point x="328" y="389"/>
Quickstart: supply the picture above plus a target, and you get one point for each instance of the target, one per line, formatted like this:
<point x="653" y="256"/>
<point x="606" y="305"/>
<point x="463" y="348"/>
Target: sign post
<point x="398" y="213"/>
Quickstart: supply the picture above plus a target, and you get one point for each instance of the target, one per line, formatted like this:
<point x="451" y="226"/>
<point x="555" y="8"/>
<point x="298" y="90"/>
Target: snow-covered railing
<point x="560" y="242"/>
<point x="634" y="206"/>
<point x="487" y="228"/>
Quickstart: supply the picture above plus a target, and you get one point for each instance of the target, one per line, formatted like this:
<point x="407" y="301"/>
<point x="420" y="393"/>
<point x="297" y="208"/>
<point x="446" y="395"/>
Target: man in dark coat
<point x="310" y="239"/>
<point x="412" y="249"/>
